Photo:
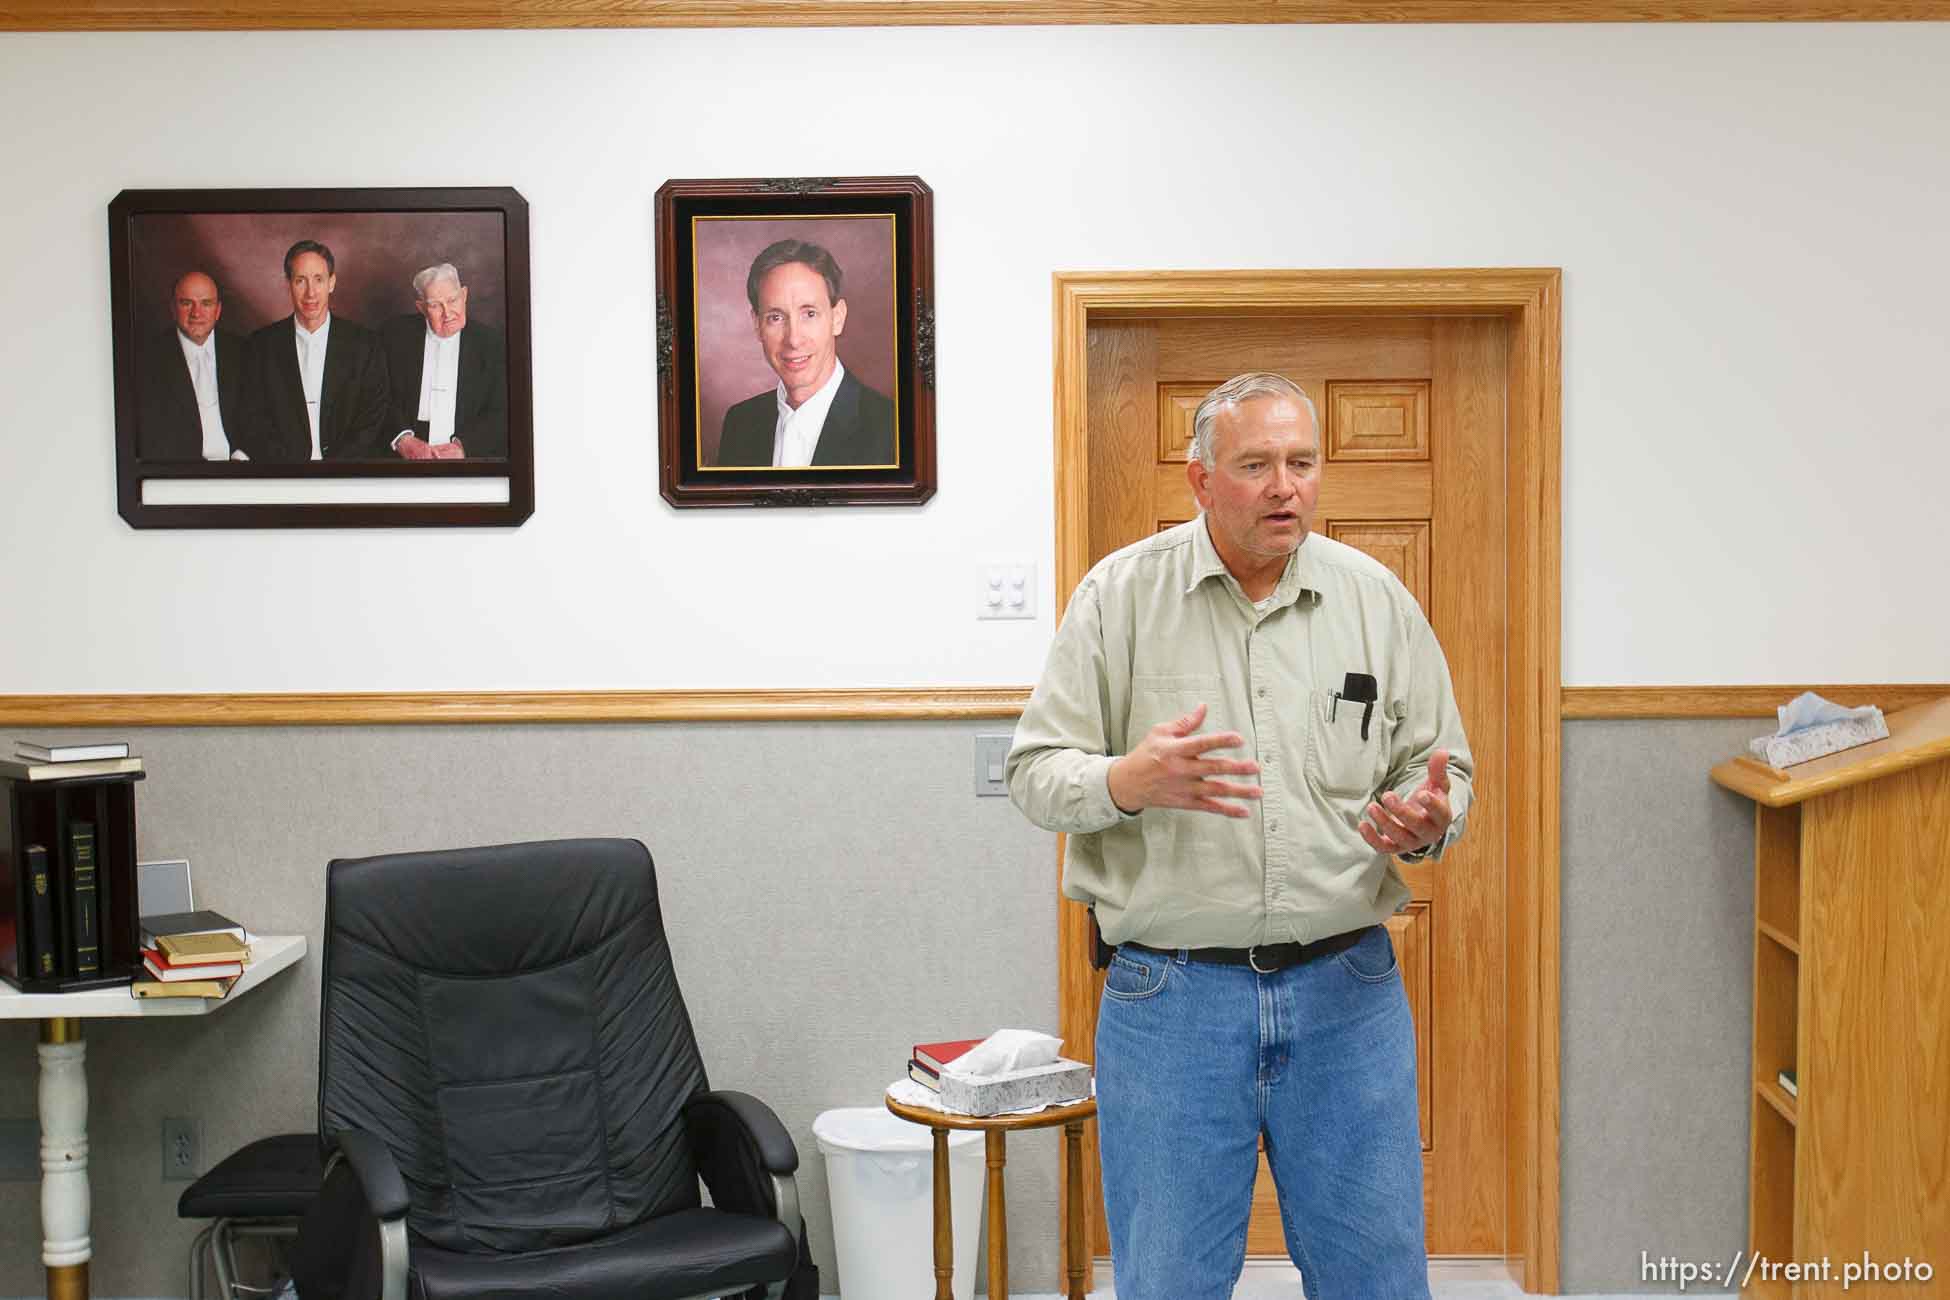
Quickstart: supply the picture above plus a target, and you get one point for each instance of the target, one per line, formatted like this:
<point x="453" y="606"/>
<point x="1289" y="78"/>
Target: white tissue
<point x="1006" y="1050"/>
<point x="1810" y="710"/>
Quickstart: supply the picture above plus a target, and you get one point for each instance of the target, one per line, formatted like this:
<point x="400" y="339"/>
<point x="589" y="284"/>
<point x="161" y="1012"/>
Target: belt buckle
<point x="1252" y="960"/>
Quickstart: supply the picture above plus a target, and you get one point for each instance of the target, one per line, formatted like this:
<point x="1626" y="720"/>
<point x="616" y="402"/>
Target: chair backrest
<point x="506" y="1020"/>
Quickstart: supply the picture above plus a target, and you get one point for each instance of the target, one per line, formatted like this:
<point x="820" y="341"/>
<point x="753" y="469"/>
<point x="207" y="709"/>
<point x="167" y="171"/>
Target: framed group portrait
<point x="321" y="358"/>
<point x="795" y="341"/>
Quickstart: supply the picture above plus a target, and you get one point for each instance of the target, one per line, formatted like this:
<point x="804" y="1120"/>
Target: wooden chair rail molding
<point x="941" y="702"/>
<point x="944" y="703"/>
<point x="1593" y="702"/>
<point x="209" y="15"/>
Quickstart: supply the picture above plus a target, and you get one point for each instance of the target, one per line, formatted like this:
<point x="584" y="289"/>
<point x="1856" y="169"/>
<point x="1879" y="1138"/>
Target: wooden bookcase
<point x="1852" y="997"/>
<point x="40" y="812"/>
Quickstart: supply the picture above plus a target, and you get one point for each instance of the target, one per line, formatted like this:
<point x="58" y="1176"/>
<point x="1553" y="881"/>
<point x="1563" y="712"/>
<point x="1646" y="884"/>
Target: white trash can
<point x="880" y="1176"/>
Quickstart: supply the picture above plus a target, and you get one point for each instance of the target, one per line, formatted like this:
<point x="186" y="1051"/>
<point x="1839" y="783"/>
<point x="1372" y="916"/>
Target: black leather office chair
<point x="510" y="1095"/>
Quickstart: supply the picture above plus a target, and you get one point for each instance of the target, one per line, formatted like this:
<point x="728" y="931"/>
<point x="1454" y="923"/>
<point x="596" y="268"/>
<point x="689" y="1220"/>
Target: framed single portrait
<point x="795" y="341"/>
<point x="337" y="358"/>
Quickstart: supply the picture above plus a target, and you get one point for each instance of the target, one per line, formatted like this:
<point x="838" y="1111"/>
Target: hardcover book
<point x="182" y="923"/>
<point x="84" y="901"/>
<point x="935" y="1056"/>
<point x="60" y="771"/>
<point x="146" y="988"/>
<point x="40" y="753"/>
<point x="189" y="949"/>
<point x="43" y="946"/>
<point x="160" y="967"/>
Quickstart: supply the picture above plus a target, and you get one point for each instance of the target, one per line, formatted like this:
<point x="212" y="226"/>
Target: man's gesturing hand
<point x="1168" y="770"/>
<point x="1399" y="825"/>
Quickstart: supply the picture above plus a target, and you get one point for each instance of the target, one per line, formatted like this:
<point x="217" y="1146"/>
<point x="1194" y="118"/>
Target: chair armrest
<point x="718" y="1119"/>
<point x="373" y="1165"/>
<point x="352" y="1243"/>
<point x="745" y="1156"/>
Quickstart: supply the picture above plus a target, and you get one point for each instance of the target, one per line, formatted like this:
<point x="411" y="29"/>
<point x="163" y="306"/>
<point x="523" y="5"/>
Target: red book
<point x="935" y="1056"/>
<point x="161" y="968"/>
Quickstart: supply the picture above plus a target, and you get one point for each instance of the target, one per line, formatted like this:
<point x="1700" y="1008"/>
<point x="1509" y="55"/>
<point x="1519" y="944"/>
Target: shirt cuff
<point x="1435" y="851"/>
<point x="1096" y="785"/>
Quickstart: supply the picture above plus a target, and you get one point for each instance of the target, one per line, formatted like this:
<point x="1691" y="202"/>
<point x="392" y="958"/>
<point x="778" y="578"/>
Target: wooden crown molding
<point x="207" y="15"/>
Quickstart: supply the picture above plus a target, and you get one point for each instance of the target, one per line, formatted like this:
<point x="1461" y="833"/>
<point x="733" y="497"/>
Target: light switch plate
<point x="1005" y="591"/>
<point x="991" y="752"/>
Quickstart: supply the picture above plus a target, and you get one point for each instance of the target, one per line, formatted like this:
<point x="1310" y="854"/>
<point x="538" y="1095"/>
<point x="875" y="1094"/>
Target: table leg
<point x="944" y="1222"/>
<point x="1073" y="1171"/>
<point x="65" y="1247"/>
<point x="998" y="1149"/>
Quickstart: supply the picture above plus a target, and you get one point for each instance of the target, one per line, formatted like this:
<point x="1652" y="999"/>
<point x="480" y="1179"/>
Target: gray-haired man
<point x="1240" y="725"/>
<point x="450" y="377"/>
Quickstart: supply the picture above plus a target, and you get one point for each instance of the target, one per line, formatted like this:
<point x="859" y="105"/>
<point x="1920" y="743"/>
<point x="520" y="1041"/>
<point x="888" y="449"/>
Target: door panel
<point x="1413" y="475"/>
<point x="1377" y="421"/>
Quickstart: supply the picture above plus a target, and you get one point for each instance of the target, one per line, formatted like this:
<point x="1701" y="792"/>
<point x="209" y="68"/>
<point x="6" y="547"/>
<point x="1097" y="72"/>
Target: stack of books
<point x="190" y="955"/>
<point x="33" y="761"/>
<point x="930" y="1059"/>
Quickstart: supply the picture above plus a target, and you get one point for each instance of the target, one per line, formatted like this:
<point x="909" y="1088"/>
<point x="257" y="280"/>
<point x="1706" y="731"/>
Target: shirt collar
<point x="208" y="346"/>
<point x="818" y="403"/>
<point x="324" y="327"/>
<point x="436" y="340"/>
<point x="1206" y="563"/>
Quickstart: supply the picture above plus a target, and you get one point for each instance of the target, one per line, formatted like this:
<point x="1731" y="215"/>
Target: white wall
<point x="1752" y="474"/>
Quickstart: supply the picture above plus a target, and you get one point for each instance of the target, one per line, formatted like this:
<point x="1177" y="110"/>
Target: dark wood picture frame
<point x="892" y="293"/>
<point x="383" y="235"/>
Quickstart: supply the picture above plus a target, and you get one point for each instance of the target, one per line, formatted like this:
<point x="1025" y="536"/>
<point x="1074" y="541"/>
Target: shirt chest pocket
<point x="1340" y="760"/>
<point x="1162" y="697"/>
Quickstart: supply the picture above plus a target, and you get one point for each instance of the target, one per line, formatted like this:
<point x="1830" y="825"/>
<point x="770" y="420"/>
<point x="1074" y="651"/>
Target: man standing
<point x="319" y="388"/>
<point x="1253" y="990"/>
<point x="819" y="414"/>
<point x="190" y="393"/>
<point x="449" y="378"/>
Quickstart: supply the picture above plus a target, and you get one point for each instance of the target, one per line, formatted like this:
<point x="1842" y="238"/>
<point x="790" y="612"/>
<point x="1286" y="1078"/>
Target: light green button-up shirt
<point x="1160" y="627"/>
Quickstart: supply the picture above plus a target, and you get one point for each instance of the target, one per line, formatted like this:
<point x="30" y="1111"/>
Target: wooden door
<point x="1413" y="418"/>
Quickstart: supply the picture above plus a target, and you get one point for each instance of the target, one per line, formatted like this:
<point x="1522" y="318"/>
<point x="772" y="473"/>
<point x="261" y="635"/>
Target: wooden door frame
<point x="1529" y="300"/>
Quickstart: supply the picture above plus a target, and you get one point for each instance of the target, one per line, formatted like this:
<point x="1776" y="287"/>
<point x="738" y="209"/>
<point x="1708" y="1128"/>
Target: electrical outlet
<point x="180" y="1143"/>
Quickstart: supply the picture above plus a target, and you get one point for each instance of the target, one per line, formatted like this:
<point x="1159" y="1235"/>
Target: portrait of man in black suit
<point x="190" y="394"/>
<point x="819" y="415"/>
<point x="318" y="387"/>
<point x="449" y="376"/>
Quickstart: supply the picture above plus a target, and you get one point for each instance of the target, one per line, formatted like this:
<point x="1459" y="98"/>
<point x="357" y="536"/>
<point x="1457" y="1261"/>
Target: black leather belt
<point x="1266" y="957"/>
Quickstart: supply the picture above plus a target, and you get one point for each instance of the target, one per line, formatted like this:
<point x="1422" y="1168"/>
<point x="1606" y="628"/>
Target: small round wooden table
<point x="997" y="1129"/>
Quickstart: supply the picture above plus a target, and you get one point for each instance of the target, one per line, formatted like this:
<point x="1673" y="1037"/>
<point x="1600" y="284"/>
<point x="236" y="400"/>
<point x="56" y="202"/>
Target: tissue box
<point x="1041" y="1085"/>
<point x="1814" y="742"/>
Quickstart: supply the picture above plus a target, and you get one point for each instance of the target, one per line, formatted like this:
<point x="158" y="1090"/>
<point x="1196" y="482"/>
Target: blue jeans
<point x="1195" y="1061"/>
